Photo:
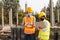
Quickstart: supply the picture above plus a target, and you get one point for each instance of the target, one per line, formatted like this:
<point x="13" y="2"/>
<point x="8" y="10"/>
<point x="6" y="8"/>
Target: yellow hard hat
<point x="29" y="10"/>
<point x="41" y="14"/>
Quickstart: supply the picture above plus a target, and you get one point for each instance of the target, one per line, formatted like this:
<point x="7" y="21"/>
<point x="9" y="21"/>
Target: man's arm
<point x="46" y="26"/>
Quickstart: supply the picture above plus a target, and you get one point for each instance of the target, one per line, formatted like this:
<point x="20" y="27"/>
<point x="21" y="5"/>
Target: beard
<point x="42" y="19"/>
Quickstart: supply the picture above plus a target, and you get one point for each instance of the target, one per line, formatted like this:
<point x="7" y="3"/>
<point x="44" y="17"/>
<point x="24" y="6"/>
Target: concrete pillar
<point x="2" y="15"/>
<point x="51" y="13"/>
<point x="58" y="15"/>
<point x="25" y="6"/>
<point x="10" y="17"/>
<point x="44" y="9"/>
<point x="17" y="18"/>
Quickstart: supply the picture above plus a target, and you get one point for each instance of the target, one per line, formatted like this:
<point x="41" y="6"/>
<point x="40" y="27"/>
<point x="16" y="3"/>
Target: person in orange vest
<point x="29" y="25"/>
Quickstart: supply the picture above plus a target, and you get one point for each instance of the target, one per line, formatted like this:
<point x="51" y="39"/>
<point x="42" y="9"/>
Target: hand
<point x="33" y="25"/>
<point x="30" y="25"/>
<point x="45" y="29"/>
<point x="38" y="38"/>
<point x="26" y="24"/>
<point x="40" y="27"/>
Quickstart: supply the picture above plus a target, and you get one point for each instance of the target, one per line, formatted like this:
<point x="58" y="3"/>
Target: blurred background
<point x="13" y="11"/>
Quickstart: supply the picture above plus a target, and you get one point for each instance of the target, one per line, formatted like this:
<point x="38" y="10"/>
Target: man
<point x="29" y="25"/>
<point x="44" y="28"/>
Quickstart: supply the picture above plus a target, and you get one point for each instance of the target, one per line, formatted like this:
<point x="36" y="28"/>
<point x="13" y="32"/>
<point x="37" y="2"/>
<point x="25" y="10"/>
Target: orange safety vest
<point x="29" y="30"/>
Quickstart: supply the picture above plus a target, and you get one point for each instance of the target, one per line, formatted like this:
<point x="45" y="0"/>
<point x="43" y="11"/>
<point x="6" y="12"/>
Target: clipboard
<point x="40" y="24"/>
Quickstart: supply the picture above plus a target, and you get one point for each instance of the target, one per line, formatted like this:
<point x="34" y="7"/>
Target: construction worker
<point x="29" y="25"/>
<point x="44" y="29"/>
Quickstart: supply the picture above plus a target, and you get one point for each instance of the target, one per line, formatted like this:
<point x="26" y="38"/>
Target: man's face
<point x="42" y="18"/>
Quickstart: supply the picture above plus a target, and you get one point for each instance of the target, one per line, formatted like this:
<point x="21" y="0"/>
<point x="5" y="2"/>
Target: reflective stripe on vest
<point x="29" y="30"/>
<point x="44" y="34"/>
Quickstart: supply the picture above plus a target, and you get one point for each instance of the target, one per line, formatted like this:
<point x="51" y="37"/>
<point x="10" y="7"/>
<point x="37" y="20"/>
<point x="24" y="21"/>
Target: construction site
<point x="11" y="17"/>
